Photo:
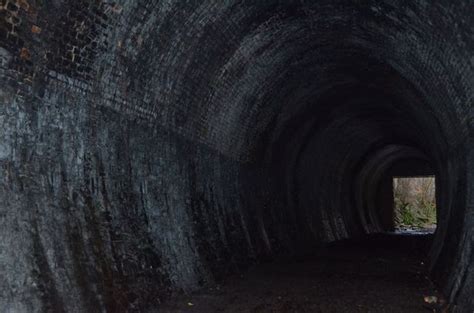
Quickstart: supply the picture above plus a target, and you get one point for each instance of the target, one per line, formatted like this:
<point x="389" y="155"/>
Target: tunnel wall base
<point x="99" y="211"/>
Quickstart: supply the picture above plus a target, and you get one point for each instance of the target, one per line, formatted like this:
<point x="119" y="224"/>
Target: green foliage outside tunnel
<point x="415" y="202"/>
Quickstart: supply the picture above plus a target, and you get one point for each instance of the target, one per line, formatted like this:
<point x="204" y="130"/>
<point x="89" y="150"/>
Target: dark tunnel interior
<point x="151" y="150"/>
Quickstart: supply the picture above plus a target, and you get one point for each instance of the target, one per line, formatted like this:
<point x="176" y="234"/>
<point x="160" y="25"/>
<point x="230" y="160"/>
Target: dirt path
<point x="383" y="274"/>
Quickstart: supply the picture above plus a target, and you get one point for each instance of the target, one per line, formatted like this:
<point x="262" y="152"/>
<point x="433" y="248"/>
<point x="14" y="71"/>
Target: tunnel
<point x="149" y="148"/>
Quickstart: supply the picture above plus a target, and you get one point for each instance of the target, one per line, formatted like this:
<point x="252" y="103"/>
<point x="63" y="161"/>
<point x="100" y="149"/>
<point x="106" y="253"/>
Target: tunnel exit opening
<point x="414" y="203"/>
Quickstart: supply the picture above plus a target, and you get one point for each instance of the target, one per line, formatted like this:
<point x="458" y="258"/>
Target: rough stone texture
<point x="155" y="146"/>
<point x="108" y="211"/>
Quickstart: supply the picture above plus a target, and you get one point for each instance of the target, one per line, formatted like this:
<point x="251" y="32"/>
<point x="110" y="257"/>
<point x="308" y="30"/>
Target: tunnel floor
<point x="382" y="273"/>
